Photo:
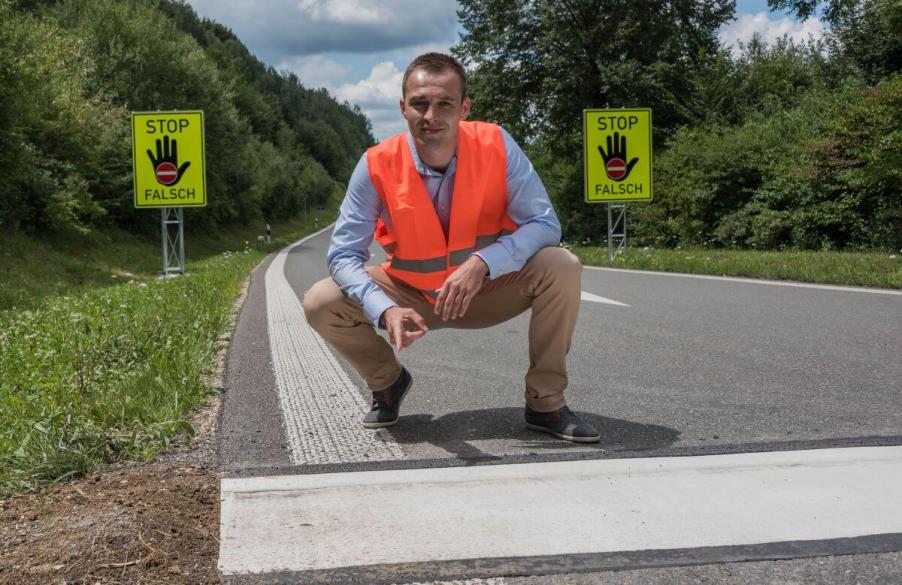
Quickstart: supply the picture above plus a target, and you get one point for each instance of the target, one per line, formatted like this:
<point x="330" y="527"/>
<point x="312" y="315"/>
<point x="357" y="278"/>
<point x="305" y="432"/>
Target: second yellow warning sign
<point x="617" y="155"/>
<point x="168" y="159"/>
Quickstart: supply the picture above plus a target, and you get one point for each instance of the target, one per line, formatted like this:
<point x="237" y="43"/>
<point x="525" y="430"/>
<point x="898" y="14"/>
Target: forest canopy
<point x="72" y="71"/>
<point x="788" y="145"/>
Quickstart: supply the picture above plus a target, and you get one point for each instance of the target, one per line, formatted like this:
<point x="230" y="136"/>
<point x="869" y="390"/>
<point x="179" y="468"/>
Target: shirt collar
<point x="425" y="170"/>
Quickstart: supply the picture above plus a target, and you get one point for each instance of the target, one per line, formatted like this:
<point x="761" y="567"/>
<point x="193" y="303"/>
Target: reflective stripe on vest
<point x="429" y="265"/>
<point x="457" y="257"/>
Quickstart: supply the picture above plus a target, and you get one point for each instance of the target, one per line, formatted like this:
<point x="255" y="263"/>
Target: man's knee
<point x="322" y="296"/>
<point x="559" y="261"/>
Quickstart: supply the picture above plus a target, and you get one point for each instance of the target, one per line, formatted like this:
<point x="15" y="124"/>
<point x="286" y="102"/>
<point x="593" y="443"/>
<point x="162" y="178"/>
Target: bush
<point x="55" y="138"/>
<point x="825" y="175"/>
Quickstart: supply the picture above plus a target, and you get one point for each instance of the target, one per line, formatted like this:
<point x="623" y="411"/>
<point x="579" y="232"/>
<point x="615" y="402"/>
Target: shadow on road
<point x="455" y="433"/>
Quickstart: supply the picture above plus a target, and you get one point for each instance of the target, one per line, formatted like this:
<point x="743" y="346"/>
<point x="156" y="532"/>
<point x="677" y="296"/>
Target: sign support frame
<point x="613" y="234"/>
<point x="173" y="247"/>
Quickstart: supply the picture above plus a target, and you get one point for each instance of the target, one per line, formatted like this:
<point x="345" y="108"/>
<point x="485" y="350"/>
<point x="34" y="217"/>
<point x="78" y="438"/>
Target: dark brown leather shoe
<point x="562" y="423"/>
<point x="387" y="403"/>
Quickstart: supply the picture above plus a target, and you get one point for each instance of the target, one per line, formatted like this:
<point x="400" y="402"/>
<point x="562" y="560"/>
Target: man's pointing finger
<point x="419" y="322"/>
<point x="397" y="335"/>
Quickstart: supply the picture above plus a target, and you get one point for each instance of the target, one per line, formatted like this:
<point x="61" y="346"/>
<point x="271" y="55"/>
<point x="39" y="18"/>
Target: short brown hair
<point x="436" y="63"/>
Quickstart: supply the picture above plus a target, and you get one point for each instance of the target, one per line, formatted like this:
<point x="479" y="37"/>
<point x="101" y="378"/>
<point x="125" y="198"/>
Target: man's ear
<point x="401" y="103"/>
<point x="465" y="109"/>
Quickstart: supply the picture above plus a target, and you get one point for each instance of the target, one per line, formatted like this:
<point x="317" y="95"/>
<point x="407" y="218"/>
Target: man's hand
<point x="459" y="289"/>
<point x="404" y="326"/>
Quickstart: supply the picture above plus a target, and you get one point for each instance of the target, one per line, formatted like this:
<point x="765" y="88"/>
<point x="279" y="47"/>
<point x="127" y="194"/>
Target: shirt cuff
<point x="497" y="259"/>
<point x="376" y="303"/>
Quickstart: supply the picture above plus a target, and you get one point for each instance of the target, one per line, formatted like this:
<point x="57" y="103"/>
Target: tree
<point x="868" y="32"/>
<point x="536" y="65"/>
<point x="833" y="10"/>
<point x="55" y="138"/>
<point x="871" y="37"/>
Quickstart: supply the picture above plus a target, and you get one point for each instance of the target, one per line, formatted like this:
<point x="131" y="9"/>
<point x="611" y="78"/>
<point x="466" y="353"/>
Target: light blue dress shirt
<point x="528" y="206"/>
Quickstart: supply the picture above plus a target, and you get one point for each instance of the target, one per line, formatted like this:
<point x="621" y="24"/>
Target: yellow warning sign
<point x="617" y="155"/>
<point x="168" y="159"/>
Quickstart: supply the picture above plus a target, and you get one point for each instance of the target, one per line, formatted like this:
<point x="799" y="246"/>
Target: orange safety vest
<point x="418" y="253"/>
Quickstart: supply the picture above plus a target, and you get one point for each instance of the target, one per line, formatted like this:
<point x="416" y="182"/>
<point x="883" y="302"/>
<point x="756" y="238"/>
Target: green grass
<point x="35" y="269"/>
<point x="871" y="269"/>
<point x="104" y="361"/>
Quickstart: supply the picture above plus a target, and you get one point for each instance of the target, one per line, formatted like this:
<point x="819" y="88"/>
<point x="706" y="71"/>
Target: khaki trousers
<point x="549" y="283"/>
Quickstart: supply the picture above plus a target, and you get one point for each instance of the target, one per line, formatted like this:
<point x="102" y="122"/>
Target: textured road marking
<point x="321" y="407"/>
<point x="326" y="521"/>
<point x="586" y="296"/>
<point x="875" y="291"/>
<point x="493" y="581"/>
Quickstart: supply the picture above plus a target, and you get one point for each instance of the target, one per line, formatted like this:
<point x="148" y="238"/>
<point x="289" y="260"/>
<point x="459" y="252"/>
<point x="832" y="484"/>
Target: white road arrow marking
<point x="586" y="296"/>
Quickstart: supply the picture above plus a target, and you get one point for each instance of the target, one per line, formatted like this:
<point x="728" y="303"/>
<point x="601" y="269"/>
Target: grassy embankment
<point x="871" y="269"/>
<point x="100" y="360"/>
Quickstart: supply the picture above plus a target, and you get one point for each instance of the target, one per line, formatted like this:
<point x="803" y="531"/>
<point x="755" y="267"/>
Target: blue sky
<point x="358" y="49"/>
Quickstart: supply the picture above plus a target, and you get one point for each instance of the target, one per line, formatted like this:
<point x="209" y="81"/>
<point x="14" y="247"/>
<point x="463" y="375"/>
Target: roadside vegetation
<point x="100" y="360"/>
<point x="788" y="146"/>
<point x="871" y="269"/>
<point x="52" y="265"/>
<point x="109" y="361"/>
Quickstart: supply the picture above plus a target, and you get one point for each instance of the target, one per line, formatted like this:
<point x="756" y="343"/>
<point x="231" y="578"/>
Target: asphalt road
<point x="689" y="363"/>
<point x="690" y="366"/>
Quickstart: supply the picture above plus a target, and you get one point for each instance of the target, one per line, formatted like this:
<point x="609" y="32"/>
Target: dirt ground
<point x="150" y="524"/>
<point x="133" y="524"/>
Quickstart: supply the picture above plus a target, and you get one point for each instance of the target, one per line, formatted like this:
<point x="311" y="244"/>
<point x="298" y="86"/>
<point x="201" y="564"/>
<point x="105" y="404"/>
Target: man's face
<point x="433" y="107"/>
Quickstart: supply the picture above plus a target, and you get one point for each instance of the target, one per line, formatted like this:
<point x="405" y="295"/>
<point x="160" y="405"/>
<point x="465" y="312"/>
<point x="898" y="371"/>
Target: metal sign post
<point x="173" y="240"/>
<point x="616" y="239"/>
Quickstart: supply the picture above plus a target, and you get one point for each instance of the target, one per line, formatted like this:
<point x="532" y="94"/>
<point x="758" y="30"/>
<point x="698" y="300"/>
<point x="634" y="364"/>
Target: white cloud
<point x="381" y="87"/>
<point x="386" y="122"/>
<point x="276" y="29"/>
<point x="378" y="96"/>
<point x="316" y="70"/>
<point x="409" y="53"/>
<point x="307" y="36"/>
<point x="342" y="11"/>
<point x="746" y="26"/>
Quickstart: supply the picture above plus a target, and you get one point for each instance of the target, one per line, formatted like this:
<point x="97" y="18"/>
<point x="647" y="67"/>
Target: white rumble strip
<point x="321" y="407"/>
